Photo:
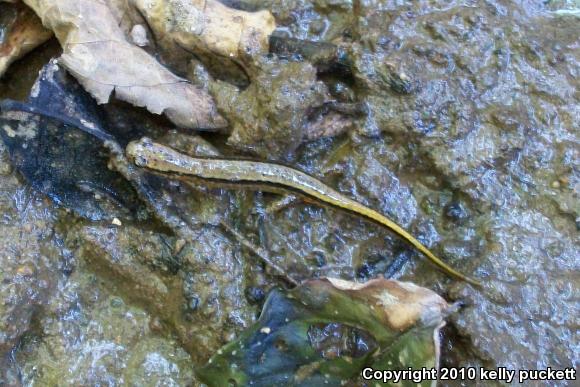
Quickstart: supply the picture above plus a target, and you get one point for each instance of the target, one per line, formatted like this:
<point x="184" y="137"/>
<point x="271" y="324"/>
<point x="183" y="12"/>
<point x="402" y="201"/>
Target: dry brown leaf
<point x="208" y="27"/>
<point x="23" y="34"/>
<point x="399" y="305"/>
<point x="96" y="52"/>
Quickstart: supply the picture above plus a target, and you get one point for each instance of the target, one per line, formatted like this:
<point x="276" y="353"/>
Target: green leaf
<point x="324" y="332"/>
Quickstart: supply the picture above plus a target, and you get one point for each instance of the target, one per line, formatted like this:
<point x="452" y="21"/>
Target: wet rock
<point x="535" y="276"/>
<point x="30" y="262"/>
<point x="213" y="287"/>
<point x="372" y="267"/>
<point x="378" y="183"/>
<point x="341" y="91"/>
<point x="209" y="286"/>
<point x="493" y="120"/>
<point x="127" y="254"/>
<point x="269" y="117"/>
<point x="97" y="338"/>
<point x="5" y="166"/>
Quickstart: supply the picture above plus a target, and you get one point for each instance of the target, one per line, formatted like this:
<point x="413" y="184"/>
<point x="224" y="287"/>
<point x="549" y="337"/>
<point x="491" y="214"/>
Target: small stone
<point x="155" y="325"/>
<point x="317" y="259"/>
<point x="116" y="302"/>
<point x="193" y="303"/>
<point x="342" y="92"/>
<point x="25" y="271"/>
<point x="5" y="165"/>
<point x="116" y="222"/>
<point x="179" y="244"/>
<point x="5" y="168"/>
<point x="317" y="26"/>
<point x="139" y="35"/>
<point x="456" y="211"/>
<point x="255" y="294"/>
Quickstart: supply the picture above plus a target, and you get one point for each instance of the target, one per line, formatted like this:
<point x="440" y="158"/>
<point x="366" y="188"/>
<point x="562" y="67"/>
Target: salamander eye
<point x="140" y="161"/>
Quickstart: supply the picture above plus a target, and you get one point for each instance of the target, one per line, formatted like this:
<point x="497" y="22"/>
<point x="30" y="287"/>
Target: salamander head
<point x="137" y="151"/>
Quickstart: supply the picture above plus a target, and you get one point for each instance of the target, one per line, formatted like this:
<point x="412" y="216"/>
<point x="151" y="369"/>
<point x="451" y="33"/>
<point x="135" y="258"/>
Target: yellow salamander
<point x="265" y="176"/>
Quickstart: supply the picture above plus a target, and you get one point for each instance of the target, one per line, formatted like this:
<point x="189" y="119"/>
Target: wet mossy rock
<point x="325" y="332"/>
<point x="270" y="117"/>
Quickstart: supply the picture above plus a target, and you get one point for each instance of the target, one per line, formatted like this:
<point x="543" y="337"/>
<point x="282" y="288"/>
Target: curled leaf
<point x="207" y="27"/>
<point x="96" y="52"/>
<point x="324" y="332"/>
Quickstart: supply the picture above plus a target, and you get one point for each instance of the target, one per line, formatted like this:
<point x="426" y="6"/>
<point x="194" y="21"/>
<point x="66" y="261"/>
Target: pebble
<point x="139" y="35"/>
<point x="25" y="271"/>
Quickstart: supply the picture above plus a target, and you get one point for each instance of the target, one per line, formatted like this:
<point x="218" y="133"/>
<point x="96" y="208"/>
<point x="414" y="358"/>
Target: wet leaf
<point x="96" y="52"/>
<point x="324" y="332"/>
<point x="56" y="141"/>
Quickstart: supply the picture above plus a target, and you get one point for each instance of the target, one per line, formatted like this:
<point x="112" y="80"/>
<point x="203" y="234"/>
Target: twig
<point x="261" y="253"/>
